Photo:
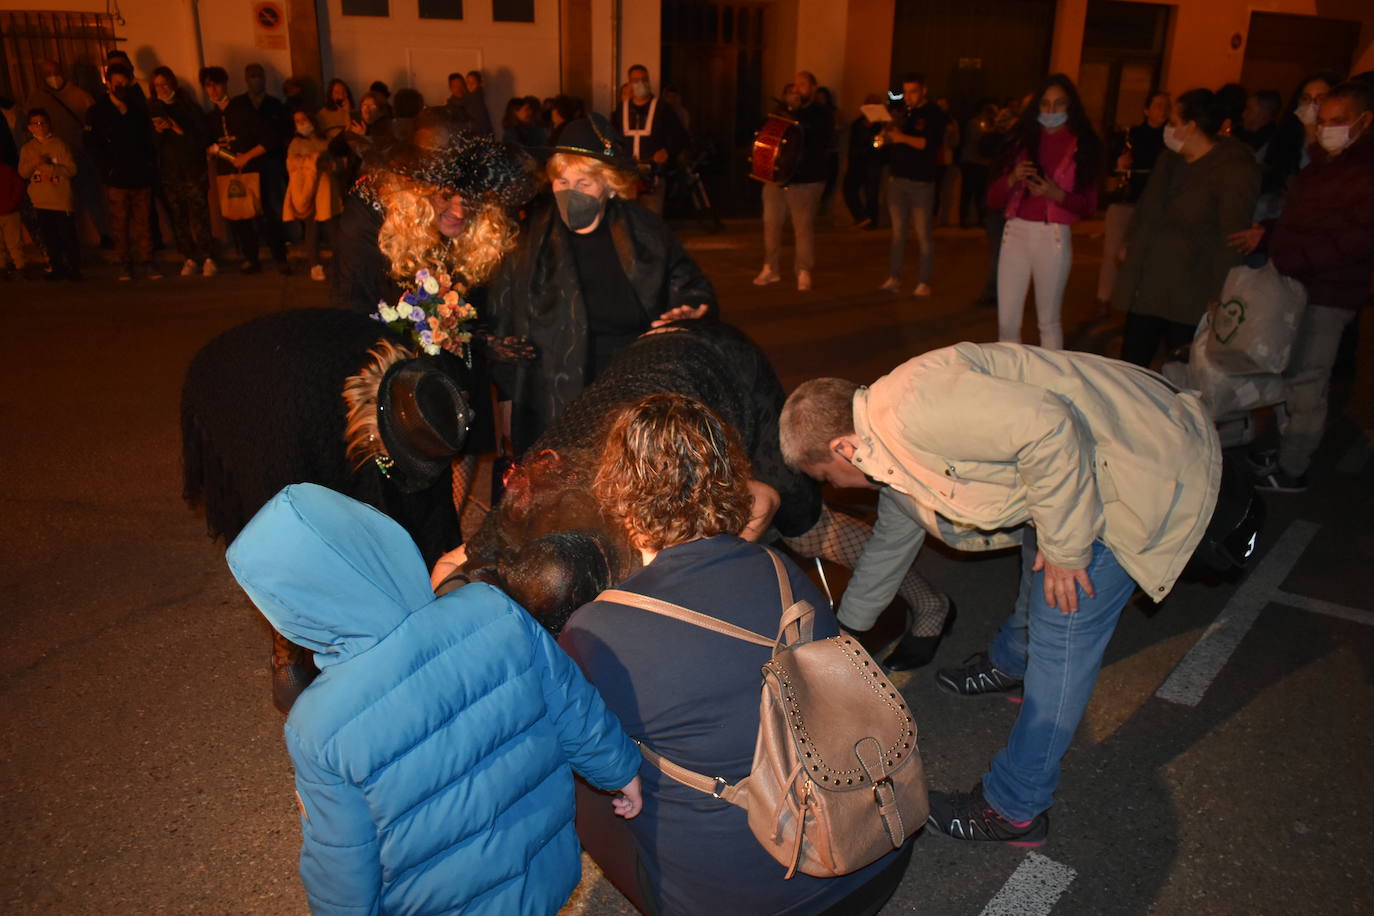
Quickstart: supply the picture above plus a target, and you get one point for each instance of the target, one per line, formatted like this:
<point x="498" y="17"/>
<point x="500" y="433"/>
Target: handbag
<point x="837" y="780"/>
<point x="240" y="195"/>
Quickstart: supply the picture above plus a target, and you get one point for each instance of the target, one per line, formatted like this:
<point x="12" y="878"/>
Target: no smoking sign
<point x="268" y="21"/>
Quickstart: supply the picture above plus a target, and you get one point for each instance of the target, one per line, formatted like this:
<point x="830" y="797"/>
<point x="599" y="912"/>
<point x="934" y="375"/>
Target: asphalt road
<point x="1222" y="766"/>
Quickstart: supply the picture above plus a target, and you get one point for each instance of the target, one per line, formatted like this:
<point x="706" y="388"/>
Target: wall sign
<point x="269" y="26"/>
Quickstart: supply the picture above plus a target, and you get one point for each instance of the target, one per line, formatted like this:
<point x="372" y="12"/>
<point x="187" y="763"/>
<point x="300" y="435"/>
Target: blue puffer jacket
<point x="434" y="753"/>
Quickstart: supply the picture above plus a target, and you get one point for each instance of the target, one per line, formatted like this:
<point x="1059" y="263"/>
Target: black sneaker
<point x="968" y="816"/>
<point x="977" y="676"/>
<point x="1278" y="481"/>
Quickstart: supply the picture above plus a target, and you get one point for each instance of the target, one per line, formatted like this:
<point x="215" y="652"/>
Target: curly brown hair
<point x="672" y="472"/>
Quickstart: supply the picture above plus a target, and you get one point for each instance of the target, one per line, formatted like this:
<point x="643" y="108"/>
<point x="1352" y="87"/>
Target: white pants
<point x="1042" y="252"/>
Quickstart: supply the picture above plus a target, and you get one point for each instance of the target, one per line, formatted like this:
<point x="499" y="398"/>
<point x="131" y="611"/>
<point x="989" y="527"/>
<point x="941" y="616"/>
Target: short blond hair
<point x="817" y="413"/>
<point x="623" y="183"/>
<point x="673" y="472"/>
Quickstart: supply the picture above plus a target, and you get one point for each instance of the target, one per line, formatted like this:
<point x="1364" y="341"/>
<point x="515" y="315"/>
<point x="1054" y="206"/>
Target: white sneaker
<point x="766" y="276"/>
<point x="922" y="290"/>
<point x="891" y="285"/>
<point x="317" y="272"/>
<point x="208" y="269"/>
<point x="803" y="280"/>
<point x="189" y="268"/>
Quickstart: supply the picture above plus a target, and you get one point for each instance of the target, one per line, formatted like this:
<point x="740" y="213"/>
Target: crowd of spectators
<point x="144" y="168"/>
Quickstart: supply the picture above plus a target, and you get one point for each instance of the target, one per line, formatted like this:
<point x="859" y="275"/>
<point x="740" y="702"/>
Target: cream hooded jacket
<point x="981" y="438"/>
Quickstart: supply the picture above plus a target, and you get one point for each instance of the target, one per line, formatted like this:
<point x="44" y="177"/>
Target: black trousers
<point x="1144" y="333"/>
<point x="973" y="192"/>
<point x="58" y="229"/>
<point x="862" y="181"/>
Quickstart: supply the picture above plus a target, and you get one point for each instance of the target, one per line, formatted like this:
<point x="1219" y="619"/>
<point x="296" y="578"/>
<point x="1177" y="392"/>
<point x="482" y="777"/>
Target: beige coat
<point x="50" y="184"/>
<point x="984" y="437"/>
<point x="311" y="191"/>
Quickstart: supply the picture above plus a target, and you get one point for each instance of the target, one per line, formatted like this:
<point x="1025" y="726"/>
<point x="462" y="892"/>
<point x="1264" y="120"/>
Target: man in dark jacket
<point x="592" y="273"/>
<point x="239" y="140"/>
<point x="915" y="135"/>
<point x="1325" y="239"/>
<point x="120" y="139"/>
<point x="653" y="132"/>
<point x="280" y="127"/>
<point x="800" y="198"/>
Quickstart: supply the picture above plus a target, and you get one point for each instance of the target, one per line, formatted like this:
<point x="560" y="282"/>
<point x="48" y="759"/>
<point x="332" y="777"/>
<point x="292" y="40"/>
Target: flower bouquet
<point x="434" y="315"/>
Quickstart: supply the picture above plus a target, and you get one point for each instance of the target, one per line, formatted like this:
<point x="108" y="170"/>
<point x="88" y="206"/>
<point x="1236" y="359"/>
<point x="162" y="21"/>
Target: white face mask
<point x="305" y="130"/>
<point x="54" y="82"/>
<point x="1307" y="114"/>
<point x="1052" y="119"/>
<point x="1171" y="139"/>
<point x="640" y="89"/>
<point x="1335" y="137"/>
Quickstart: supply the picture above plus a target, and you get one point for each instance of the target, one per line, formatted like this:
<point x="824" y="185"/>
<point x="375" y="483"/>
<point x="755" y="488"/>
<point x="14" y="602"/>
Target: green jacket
<point x="982" y="438"/>
<point x="1176" y="252"/>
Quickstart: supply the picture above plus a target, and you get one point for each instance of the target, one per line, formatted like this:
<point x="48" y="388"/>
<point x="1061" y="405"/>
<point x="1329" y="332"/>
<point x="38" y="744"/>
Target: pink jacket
<point x="1076" y="204"/>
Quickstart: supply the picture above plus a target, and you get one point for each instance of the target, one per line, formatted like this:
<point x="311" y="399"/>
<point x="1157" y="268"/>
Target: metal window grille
<point x="77" y="41"/>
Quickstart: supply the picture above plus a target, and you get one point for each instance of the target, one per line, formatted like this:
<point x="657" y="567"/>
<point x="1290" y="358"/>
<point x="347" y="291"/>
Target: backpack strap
<point x="798" y="614"/>
<point x="715" y="786"/>
<point x="797" y="617"/>
<point x="678" y="612"/>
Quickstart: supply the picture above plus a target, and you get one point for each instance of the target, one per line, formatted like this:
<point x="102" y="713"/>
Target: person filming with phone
<point x="1048" y="182"/>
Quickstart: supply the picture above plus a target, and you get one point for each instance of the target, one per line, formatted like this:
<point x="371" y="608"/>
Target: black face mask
<point x="579" y="210"/>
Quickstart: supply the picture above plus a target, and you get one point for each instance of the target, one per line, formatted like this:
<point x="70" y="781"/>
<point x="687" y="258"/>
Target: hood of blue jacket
<point x="329" y="573"/>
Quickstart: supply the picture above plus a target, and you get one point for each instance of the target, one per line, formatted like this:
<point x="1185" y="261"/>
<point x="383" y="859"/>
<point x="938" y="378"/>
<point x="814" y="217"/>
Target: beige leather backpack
<point x="837" y="780"/>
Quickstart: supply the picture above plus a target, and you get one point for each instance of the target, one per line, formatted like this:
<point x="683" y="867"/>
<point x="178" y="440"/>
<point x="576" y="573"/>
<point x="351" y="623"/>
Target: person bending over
<point x="1105" y="472"/>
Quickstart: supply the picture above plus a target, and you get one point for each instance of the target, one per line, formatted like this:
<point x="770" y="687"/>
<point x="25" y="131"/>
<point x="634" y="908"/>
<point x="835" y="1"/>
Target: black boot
<point x="918" y="651"/>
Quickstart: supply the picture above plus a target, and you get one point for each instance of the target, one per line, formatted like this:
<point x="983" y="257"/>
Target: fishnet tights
<point x="841" y="538"/>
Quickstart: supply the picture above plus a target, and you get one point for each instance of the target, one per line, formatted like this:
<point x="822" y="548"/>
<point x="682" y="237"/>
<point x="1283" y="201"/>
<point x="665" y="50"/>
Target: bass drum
<point x="777" y="150"/>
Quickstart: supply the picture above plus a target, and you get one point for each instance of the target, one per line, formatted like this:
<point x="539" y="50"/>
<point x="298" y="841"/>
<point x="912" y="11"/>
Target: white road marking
<point x="1033" y="889"/>
<point x="1355" y="457"/>
<point x="1318" y="606"/>
<point x="1195" y="673"/>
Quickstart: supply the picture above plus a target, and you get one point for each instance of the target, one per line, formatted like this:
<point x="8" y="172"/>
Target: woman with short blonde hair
<point x="591" y="273"/>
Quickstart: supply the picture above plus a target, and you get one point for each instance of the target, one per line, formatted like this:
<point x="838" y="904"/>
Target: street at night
<point x="1223" y="766"/>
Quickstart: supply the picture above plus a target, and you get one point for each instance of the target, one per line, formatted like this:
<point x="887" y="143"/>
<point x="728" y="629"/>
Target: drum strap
<point x="636" y="133"/>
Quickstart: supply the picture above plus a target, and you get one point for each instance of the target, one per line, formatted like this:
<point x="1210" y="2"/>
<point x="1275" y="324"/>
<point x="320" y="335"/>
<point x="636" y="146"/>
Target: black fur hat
<point x="480" y="169"/>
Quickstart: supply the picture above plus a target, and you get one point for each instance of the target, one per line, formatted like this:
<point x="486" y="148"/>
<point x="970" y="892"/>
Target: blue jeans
<point x="911" y="203"/>
<point x="1059" y="656"/>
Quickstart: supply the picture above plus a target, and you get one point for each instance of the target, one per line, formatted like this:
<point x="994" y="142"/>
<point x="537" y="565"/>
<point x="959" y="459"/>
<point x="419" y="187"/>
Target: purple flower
<point x="418" y="315"/>
<point x="426" y="338"/>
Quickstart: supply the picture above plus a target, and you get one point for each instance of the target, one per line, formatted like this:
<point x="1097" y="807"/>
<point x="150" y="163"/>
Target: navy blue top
<point x="693" y="696"/>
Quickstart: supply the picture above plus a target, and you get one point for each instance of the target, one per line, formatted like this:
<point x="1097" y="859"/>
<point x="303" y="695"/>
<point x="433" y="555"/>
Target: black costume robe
<point x="537" y="294"/>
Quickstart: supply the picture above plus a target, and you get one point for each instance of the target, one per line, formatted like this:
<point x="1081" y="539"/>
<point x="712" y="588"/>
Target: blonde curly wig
<point x="411" y="240"/>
